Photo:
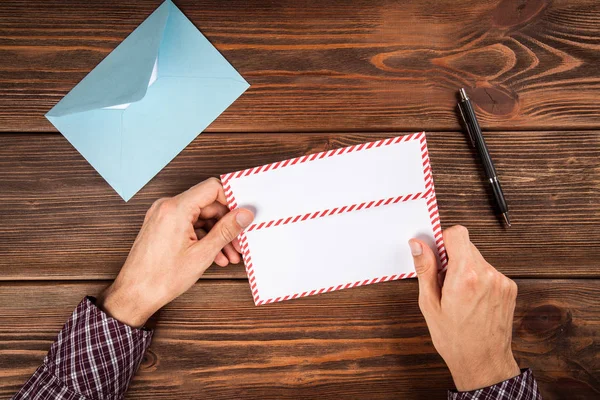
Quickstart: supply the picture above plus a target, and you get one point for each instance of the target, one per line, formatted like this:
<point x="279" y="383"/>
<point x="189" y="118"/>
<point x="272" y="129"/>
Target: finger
<point x="427" y="273"/>
<point x="205" y="224"/>
<point x="215" y="210"/>
<point x="202" y="195"/>
<point x="220" y="259"/>
<point x="200" y="233"/>
<point x="232" y="255"/>
<point x="225" y="231"/>
<point x="236" y="245"/>
<point x="209" y="224"/>
<point x="200" y="224"/>
<point x="456" y="241"/>
<point x="480" y="262"/>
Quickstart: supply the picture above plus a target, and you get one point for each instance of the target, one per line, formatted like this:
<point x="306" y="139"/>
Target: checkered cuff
<point x="521" y="387"/>
<point x="94" y="357"/>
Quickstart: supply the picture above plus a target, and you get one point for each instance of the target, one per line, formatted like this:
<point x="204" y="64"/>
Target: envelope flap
<point x="155" y="130"/>
<point x="123" y="76"/>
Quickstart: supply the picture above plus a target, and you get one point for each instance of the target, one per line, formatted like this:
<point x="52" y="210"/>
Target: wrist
<point x="124" y="305"/>
<point x="489" y="373"/>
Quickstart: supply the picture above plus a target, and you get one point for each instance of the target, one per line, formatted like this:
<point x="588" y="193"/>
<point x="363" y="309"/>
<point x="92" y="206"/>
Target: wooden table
<point x="323" y="75"/>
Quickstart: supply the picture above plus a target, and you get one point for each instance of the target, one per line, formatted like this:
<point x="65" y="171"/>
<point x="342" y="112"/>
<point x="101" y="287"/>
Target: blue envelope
<point x="147" y="100"/>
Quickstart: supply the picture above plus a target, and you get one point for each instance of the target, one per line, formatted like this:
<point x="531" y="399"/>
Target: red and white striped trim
<point x="317" y="156"/>
<point x="249" y="267"/>
<point x="339" y="210"/>
<point x="432" y="206"/>
<point x="428" y="194"/>
<point x="437" y="232"/>
<point x="229" y="196"/>
<point x="254" y="289"/>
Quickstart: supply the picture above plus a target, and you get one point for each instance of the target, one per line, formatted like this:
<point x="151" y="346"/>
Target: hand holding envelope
<point x="336" y="219"/>
<point x="147" y="100"/>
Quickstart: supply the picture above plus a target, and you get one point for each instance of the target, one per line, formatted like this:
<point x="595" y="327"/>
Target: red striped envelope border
<point x="428" y="193"/>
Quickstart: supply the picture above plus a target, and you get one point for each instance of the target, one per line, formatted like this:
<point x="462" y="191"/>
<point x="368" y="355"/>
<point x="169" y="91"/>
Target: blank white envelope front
<point x="336" y="219"/>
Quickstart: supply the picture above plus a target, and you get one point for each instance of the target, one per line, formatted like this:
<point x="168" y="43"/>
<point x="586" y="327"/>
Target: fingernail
<point x="244" y="218"/>
<point x="415" y="248"/>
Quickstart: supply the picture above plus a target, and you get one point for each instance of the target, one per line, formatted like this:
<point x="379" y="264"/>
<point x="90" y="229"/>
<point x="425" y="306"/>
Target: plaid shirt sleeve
<point x="94" y="357"/>
<point x="521" y="387"/>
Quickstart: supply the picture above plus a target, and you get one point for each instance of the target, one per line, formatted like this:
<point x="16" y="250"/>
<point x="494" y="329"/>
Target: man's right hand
<point x="470" y="316"/>
<point x="180" y="238"/>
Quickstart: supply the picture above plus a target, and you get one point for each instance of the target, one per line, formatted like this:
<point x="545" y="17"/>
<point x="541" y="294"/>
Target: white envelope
<point x="336" y="219"/>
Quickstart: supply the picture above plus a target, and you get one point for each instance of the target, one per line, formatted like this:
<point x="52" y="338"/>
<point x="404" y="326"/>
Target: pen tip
<point x="506" y="219"/>
<point x="463" y="94"/>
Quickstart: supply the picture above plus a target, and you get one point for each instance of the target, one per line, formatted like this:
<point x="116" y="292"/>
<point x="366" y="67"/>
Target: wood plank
<point x="60" y="220"/>
<point x="368" y="342"/>
<point x="351" y="65"/>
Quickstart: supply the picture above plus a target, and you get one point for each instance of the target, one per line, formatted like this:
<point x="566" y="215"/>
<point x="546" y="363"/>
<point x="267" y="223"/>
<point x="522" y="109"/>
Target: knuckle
<point x="455" y="234"/>
<point x="155" y="205"/>
<point x="458" y="230"/>
<point x="491" y="276"/>
<point x="506" y="285"/>
<point x="227" y="233"/>
<point x="511" y="287"/>
<point x="165" y="206"/>
<point x="422" y="267"/>
<point x="159" y="201"/>
<point x="470" y="279"/>
<point x="212" y="181"/>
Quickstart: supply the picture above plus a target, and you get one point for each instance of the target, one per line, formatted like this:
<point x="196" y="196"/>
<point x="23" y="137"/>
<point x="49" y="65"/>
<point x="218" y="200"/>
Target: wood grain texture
<point x="61" y="220"/>
<point x="367" y="343"/>
<point x="350" y="65"/>
<point x="349" y="71"/>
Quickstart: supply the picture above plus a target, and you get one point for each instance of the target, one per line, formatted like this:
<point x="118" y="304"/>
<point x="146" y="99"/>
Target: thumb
<point x="426" y="268"/>
<point x="225" y="230"/>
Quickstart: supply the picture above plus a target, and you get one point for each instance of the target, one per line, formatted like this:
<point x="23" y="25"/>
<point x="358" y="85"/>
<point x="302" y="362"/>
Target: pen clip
<point x="466" y="123"/>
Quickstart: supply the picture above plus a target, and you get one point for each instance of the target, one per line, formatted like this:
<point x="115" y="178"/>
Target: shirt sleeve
<point x="94" y="357"/>
<point x="521" y="387"/>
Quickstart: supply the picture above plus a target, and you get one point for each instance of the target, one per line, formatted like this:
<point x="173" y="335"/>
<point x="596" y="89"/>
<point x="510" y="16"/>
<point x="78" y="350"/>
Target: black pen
<point x="474" y="131"/>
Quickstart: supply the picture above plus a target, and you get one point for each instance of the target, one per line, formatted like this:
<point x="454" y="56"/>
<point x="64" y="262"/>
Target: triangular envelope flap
<point x="123" y="76"/>
<point x="155" y="130"/>
<point x="99" y="142"/>
<point x="186" y="52"/>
